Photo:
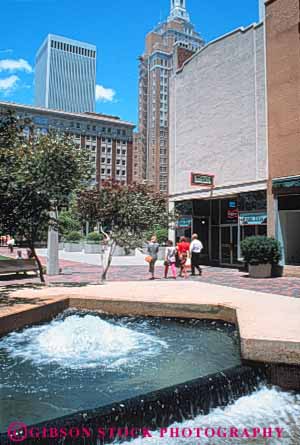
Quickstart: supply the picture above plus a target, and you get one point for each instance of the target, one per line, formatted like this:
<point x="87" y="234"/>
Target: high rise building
<point x="65" y="75"/>
<point x="261" y="10"/>
<point x="166" y="49"/>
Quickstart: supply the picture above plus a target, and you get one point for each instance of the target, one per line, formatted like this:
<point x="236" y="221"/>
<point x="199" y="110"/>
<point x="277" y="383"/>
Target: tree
<point x="37" y="173"/>
<point x="125" y="214"/>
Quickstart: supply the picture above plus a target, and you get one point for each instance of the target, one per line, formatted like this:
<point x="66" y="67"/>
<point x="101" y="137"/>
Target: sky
<point x="116" y="27"/>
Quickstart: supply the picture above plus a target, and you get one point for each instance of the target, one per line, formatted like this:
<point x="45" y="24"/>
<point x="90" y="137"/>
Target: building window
<point x="94" y="127"/>
<point x="123" y="172"/>
<point x="77" y="125"/>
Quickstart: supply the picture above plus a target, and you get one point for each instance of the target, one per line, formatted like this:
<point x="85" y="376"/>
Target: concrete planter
<point x="73" y="247"/>
<point x="120" y="251"/>
<point x="260" y="270"/>
<point x="92" y="248"/>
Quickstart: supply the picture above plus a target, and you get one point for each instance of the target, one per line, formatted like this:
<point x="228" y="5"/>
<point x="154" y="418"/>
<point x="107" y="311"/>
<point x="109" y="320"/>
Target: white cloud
<point x="104" y="94"/>
<point x="6" y="51"/>
<point x="8" y="84"/>
<point x="12" y="65"/>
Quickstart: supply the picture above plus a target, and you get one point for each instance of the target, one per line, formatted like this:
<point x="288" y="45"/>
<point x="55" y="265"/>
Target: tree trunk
<point x="42" y="278"/>
<point x="107" y="257"/>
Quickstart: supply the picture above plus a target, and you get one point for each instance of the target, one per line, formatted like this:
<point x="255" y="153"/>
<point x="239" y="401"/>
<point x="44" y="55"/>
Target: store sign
<point x="253" y="219"/>
<point x="202" y="179"/>
<point x="232" y="214"/>
<point x="185" y="222"/>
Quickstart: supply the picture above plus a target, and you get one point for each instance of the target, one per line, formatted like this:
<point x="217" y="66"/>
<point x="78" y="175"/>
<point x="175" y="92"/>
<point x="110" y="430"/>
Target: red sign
<point x="232" y="214"/>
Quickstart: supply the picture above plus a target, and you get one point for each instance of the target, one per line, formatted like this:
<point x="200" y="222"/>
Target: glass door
<point x="229" y="245"/>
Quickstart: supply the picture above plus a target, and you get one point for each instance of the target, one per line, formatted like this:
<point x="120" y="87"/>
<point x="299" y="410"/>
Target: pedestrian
<point x="19" y="255"/>
<point x="170" y="259"/>
<point x="153" y="249"/>
<point x="29" y="254"/>
<point x="183" y="248"/>
<point x="195" y="250"/>
<point x="10" y="245"/>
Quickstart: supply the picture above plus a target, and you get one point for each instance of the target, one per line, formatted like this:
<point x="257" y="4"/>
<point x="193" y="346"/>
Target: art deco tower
<point x="166" y="48"/>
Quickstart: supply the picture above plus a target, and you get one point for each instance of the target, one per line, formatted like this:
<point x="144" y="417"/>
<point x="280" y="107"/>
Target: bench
<point x="17" y="266"/>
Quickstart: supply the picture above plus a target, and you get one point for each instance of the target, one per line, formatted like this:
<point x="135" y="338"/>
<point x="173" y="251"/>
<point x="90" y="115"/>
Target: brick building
<point x="283" y="85"/>
<point x="167" y="46"/>
<point x="138" y="159"/>
<point x="107" y="139"/>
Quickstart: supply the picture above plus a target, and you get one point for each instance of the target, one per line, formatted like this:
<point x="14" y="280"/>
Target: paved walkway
<point x="80" y="273"/>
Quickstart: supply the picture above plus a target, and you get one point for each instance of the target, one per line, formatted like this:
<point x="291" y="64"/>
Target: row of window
<point x="94" y="128"/>
<point x="107" y="171"/>
<point x="73" y="49"/>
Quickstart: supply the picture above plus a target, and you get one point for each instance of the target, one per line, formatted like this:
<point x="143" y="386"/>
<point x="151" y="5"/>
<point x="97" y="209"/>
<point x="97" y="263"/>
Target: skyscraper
<point x="166" y="49"/>
<point x="65" y="75"/>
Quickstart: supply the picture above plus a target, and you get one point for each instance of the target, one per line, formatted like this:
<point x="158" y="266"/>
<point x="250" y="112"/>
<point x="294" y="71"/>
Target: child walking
<point x="170" y="260"/>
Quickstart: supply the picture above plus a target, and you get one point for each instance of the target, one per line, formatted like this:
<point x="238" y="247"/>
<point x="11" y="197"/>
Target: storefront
<point x="222" y="224"/>
<point x="286" y="192"/>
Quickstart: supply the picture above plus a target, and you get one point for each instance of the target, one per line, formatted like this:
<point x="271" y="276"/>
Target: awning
<point x="286" y="185"/>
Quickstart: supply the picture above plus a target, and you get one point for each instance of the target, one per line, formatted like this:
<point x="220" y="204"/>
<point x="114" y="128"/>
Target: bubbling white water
<point x="82" y="342"/>
<point x="267" y="407"/>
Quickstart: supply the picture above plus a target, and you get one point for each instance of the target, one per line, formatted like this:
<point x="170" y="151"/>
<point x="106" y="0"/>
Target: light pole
<point x="52" y="247"/>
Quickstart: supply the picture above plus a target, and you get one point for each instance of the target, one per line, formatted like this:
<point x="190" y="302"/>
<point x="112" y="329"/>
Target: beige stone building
<point x="218" y="144"/>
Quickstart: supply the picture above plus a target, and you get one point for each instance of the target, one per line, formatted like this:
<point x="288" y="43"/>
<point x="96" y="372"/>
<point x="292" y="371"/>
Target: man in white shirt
<point x="195" y="249"/>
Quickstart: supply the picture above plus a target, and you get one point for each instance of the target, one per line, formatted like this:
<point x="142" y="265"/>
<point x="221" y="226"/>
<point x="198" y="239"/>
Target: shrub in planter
<point x="260" y="251"/>
<point x="94" y="238"/>
<point x="73" y="237"/>
<point x="92" y="243"/>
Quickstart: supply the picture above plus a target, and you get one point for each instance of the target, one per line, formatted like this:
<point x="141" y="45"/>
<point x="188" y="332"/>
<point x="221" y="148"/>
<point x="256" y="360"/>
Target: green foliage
<point x="73" y="237"/>
<point x="127" y="212"/>
<point x="160" y="232"/>
<point x="94" y="237"/>
<point x="67" y="222"/>
<point x="37" y="173"/>
<point x="261" y="250"/>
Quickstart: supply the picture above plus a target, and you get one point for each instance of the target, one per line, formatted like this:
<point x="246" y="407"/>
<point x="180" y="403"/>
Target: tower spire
<point x="178" y="10"/>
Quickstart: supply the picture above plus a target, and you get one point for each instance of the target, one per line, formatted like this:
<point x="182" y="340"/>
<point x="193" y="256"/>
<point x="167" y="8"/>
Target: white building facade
<point x="65" y="75"/>
<point x="218" y="149"/>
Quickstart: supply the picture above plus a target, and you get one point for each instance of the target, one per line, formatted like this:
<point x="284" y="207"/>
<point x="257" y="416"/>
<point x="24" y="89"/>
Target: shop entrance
<point x="229" y="245"/>
<point x="290" y="225"/>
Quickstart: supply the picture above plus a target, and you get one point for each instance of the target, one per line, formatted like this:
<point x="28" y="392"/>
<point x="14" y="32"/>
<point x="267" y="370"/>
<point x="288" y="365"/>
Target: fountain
<point x="92" y="370"/>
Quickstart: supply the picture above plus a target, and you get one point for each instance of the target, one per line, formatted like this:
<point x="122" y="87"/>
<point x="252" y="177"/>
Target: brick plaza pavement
<point x="80" y="274"/>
